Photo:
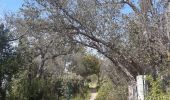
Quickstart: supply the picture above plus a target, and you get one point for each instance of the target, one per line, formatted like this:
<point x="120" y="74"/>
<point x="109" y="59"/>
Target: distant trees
<point x="91" y="64"/>
<point x="85" y="65"/>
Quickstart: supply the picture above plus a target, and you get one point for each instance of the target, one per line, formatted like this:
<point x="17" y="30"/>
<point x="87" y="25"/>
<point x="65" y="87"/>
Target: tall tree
<point x="8" y="61"/>
<point x="135" y="43"/>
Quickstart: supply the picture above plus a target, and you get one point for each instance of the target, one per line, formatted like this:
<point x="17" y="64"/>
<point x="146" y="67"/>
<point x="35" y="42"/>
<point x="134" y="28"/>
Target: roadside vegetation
<point x="71" y="49"/>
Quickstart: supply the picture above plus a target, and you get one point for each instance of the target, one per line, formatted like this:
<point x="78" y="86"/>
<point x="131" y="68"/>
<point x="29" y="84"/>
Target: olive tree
<point x="100" y="24"/>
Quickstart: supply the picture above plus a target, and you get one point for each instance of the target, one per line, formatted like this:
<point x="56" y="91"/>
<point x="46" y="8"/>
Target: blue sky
<point x="14" y="5"/>
<point x="10" y="6"/>
<point x="126" y="9"/>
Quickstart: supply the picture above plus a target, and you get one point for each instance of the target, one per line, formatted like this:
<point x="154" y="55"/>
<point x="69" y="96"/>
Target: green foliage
<point x="46" y="88"/>
<point x="110" y="92"/>
<point x="80" y="97"/>
<point x="91" y="64"/>
<point x="9" y="61"/>
<point x="93" y="81"/>
<point x="156" y="90"/>
<point x="24" y="88"/>
<point x="4" y="43"/>
<point x="104" y="91"/>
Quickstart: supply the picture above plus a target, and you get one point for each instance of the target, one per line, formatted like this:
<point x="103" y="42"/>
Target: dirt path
<point x="93" y="94"/>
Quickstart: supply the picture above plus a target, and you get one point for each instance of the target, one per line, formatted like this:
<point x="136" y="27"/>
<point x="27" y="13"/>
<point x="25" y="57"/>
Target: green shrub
<point x="86" y="96"/>
<point x="104" y="91"/>
<point x="156" y="90"/>
<point x="49" y="88"/>
<point x="110" y="92"/>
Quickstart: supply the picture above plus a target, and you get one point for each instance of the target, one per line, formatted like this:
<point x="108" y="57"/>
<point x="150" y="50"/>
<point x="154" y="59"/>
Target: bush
<point x="156" y="90"/>
<point x="49" y="88"/>
<point x="110" y="92"/>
